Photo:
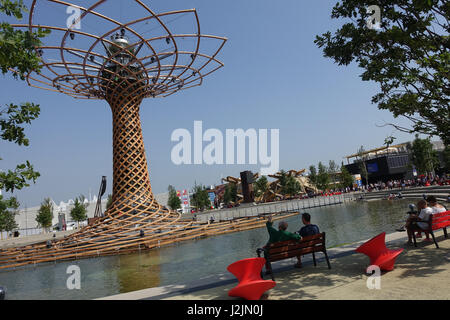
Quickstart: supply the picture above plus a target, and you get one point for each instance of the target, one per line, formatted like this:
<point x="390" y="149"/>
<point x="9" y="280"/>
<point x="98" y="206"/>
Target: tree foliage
<point x="261" y="186"/>
<point x="8" y="211"/>
<point x="174" y="201"/>
<point x="290" y="186"/>
<point x="362" y="164"/>
<point x="200" y="197"/>
<point x="408" y="56"/>
<point x="333" y="172"/>
<point x="45" y="214"/>
<point x="230" y="194"/>
<point x="79" y="212"/>
<point x="446" y="156"/>
<point x="109" y="201"/>
<point x="346" y="179"/>
<point x="17" y="46"/>
<point x="313" y="175"/>
<point x="17" y="52"/>
<point x="323" y="177"/>
<point x="423" y="157"/>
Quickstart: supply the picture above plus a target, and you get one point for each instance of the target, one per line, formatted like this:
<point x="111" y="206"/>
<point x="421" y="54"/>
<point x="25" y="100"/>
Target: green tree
<point x="261" y="186"/>
<point x="323" y="177"/>
<point x="408" y="56"/>
<point x="333" y="171"/>
<point x="200" y="197"/>
<point x="8" y="211"/>
<point x="282" y="180"/>
<point x="17" y="52"/>
<point x="79" y="210"/>
<point x="423" y="157"/>
<point x="45" y="214"/>
<point x="230" y="194"/>
<point x="174" y="201"/>
<point x="362" y="164"/>
<point x="313" y="175"/>
<point x="446" y="156"/>
<point x="346" y="179"/>
<point x="109" y="201"/>
<point x="388" y="142"/>
<point x="291" y="187"/>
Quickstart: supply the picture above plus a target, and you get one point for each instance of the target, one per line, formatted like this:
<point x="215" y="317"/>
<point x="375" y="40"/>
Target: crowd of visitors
<point x="422" y="181"/>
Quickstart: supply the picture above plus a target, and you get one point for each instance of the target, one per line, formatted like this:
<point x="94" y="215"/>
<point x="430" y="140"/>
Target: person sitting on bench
<point x="279" y="235"/>
<point x="309" y="229"/>
<point x="420" y="222"/>
<point x="435" y="206"/>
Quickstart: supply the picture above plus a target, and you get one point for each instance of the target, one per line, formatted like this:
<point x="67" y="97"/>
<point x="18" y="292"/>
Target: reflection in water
<point x="138" y="271"/>
<point x="194" y="260"/>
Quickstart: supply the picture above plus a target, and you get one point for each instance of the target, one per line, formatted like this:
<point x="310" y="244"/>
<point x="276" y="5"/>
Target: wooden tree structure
<point x="273" y="192"/>
<point x="123" y="66"/>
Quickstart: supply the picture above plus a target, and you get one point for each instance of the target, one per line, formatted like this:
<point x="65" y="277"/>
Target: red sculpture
<point x="379" y="255"/>
<point x="248" y="272"/>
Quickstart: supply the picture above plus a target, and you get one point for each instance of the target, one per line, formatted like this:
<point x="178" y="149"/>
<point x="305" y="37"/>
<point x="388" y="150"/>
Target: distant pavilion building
<point x="388" y="163"/>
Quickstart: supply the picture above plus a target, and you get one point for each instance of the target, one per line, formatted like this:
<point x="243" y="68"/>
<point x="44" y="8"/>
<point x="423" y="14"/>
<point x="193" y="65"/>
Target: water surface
<point x="186" y="262"/>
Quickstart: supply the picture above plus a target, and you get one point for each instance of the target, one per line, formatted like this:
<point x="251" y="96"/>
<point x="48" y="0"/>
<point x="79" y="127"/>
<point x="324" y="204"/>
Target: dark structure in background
<point x="383" y="164"/>
<point x="247" y="186"/>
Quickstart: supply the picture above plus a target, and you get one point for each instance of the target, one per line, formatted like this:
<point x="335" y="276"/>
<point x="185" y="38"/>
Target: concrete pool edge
<point x="218" y="280"/>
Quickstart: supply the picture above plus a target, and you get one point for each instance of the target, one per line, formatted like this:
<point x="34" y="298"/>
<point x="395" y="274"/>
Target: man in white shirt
<point x="419" y="223"/>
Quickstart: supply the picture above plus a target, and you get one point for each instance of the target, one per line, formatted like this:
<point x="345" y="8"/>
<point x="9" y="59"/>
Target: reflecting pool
<point x="193" y="260"/>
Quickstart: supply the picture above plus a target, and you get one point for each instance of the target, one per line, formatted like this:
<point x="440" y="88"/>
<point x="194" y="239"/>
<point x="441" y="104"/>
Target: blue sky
<point x="274" y="77"/>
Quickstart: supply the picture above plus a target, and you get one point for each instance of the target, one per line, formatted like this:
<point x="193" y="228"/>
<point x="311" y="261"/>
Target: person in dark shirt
<point x="308" y="230"/>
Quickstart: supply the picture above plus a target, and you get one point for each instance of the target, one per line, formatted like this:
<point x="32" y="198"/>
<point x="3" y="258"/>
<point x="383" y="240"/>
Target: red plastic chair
<point x="248" y="272"/>
<point x="379" y="255"/>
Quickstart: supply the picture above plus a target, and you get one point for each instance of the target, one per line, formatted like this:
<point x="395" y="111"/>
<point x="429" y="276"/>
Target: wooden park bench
<point x="436" y="221"/>
<point x="293" y="248"/>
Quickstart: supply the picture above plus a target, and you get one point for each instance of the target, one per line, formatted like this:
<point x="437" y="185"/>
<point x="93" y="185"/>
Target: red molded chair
<point x="248" y="272"/>
<point x="379" y="255"/>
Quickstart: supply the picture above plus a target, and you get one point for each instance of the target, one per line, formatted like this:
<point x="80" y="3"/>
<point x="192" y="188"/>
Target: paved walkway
<point x="420" y="273"/>
<point x="27" y="240"/>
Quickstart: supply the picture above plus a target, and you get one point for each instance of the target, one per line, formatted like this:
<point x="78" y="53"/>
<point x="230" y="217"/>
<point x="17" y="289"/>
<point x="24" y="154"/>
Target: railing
<point x="287" y="206"/>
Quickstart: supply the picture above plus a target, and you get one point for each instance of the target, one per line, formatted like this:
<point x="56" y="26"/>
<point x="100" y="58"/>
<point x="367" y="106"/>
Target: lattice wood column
<point x="131" y="181"/>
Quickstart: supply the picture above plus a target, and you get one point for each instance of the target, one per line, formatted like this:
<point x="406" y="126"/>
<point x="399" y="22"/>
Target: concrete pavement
<point x="420" y="273"/>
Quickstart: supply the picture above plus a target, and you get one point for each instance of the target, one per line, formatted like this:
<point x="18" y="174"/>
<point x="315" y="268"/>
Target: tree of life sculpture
<point x="123" y="67"/>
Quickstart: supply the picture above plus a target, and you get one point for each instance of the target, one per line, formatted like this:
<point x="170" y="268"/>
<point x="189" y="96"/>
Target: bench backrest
<point x="440" y="220"/>
<point x="293" y="248"/>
